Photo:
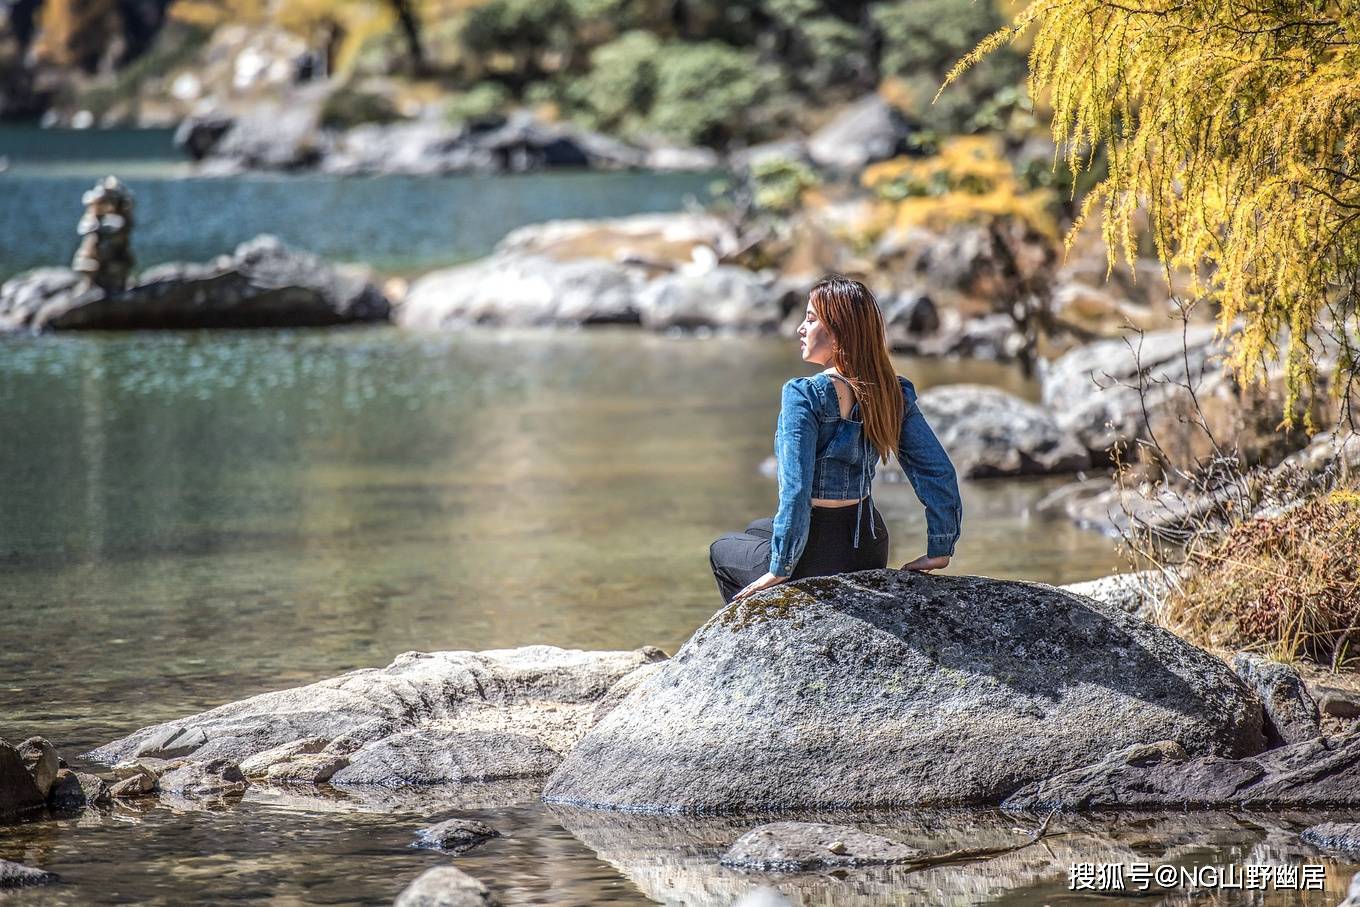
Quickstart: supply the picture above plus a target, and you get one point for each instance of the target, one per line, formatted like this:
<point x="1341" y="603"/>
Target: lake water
<point x="396" y="224"/>
<point x="190" y="518"/>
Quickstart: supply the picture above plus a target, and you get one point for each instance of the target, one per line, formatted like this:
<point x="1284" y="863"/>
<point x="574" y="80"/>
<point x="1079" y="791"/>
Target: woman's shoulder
<point x="807" y="390"/>
<point x="807" y="384"/>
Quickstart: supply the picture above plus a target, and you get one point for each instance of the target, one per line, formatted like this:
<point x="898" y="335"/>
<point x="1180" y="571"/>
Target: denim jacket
<point x="821" y="455"/>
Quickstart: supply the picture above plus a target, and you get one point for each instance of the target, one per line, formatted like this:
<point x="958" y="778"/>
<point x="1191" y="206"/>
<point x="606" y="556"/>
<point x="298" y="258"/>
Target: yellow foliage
<point x="969" y="181"/>
<point x="358" y="21"/>
<point x="1237" y="127"/>
<point x="208" y="14"/>
<point x="74" y="32"/>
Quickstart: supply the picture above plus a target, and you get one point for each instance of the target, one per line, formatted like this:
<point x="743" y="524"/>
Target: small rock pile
<point x="34" y="777"/>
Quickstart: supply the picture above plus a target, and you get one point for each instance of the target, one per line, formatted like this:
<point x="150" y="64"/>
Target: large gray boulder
<point x="989" y="432"/>
<point x="1094" y="390"/>
<point x="424" y="719"/>
<point x="418" y="148"/>
<point x="523" y="290"/>
<point x="271" y="136"/>
<point x="887" y="688"/>
<point x="722" y="297"/>
<point x="869" y="130"/>
<point x="263" y="283"/>
<point x="1323" y="772"/>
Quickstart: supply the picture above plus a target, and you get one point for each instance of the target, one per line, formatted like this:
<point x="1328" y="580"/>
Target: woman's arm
<point x="932" y="475"/>
<point x="795" y="448"/>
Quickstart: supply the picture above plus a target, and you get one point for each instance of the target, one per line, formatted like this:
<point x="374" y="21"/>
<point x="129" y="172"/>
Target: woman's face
<point x="814" y="338"/>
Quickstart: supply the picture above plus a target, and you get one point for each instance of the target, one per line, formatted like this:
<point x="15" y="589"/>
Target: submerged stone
<point x="455" y="835"/>
<point x="17" y="875"/>
<point x="803" y="846"/>
<point x="445" y="886"/>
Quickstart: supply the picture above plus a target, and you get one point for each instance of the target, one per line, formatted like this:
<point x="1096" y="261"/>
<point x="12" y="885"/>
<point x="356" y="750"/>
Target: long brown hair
<point x="859" y="351"/>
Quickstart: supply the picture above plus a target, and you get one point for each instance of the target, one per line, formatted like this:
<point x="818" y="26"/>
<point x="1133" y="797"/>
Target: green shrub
<point x="706" y="91"/>
<point x="922" y="39"/>
<point x="621" y="85"/>
<point x="347" y="106"/>
<point x="479" y="101"/>
<point x="777" y="184"/>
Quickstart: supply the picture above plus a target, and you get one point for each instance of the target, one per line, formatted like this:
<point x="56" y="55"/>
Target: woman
<point x="832" y="428"/>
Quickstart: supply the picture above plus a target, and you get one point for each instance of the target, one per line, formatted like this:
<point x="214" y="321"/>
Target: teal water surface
<point x="397" y="224"/>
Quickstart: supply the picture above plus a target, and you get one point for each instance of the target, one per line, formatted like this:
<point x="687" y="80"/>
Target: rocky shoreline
<point x="971" y="691"/>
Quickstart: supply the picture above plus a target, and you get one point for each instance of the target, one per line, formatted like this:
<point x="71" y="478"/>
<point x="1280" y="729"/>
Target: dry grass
<point x="1288" y="585"/>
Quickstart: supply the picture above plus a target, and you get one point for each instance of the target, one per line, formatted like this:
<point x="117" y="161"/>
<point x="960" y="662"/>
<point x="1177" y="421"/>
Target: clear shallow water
<point x="396" y="224"/>
<point x="190" y="518"/>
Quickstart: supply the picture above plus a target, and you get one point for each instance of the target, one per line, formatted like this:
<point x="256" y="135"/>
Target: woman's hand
<point x="767" y="581"/>
<point x="925" y="564"/>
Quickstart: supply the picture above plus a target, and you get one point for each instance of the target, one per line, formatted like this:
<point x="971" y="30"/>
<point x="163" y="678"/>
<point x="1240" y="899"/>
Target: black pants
<point x="740" y="558"/>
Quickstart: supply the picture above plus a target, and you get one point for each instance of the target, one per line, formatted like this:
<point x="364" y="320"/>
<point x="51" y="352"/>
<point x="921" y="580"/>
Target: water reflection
<point x="674" y="860"/>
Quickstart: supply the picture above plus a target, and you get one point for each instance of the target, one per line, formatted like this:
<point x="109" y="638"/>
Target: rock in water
<point x="17" y="875"/>
<point x="989" y="432"/>
<point x="886" y="688"/>
<point x="1291" y="714"/>
<point x="1139" y="593"/>
<point x="523" y="290"/>
<point x="315" y="768"/>
<point x="261" y="764"/>
<point x="424" y="719"/>
<point x="214" y="778"/>
<point x="18" y="790"/>
<point x="67" y="793"/>
<point x="724" y="297"/>
<point x="40" y="757"/>
<point x="445" y="886"/>
<point x="802" y="846"/>
<point x="455" y="835"/>
<point x="263" y="283"/>
<point x="1314" y="773"/>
